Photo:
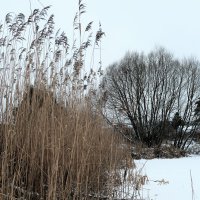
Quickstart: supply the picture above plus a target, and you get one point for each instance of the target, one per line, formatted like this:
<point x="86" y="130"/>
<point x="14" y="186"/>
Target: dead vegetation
<point x="157" y="152"/>
<point x="58" y="153"/>
<point x="54" y="144"/>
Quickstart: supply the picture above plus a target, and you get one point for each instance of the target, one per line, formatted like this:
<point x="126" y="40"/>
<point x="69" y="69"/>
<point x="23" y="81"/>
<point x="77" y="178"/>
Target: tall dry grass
<point x="54" y="144"/>
<point x="58" y="152"/>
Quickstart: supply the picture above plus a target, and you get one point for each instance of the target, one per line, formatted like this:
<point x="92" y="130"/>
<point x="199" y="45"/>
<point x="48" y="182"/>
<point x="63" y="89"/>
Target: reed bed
<point x="54" y="143"/>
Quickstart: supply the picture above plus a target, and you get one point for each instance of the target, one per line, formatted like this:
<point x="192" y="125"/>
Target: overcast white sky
<point x="129" y="24"/>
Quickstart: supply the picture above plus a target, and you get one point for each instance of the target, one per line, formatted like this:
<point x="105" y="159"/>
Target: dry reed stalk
<point x="54" y="144"/>
<point x="56" y="152"/>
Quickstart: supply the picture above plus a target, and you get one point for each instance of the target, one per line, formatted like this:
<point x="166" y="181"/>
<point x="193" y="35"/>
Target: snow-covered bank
<point x="181" y="176"/>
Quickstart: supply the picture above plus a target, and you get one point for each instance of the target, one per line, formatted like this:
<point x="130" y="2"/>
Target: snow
<point x="171" y="179"/>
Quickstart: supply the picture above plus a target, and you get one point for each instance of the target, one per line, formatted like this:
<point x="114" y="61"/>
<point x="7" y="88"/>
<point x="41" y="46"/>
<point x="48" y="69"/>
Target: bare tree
<point x="142" y="93"/>
<point x="188" y="93"/>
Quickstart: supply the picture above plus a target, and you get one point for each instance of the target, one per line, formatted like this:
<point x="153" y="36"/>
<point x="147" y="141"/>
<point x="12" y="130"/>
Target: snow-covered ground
<point x="171" y="179"/>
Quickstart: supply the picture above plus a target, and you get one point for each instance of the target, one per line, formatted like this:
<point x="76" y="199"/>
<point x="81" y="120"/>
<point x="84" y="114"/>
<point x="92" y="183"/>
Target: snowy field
<point x="171" y="179"/>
